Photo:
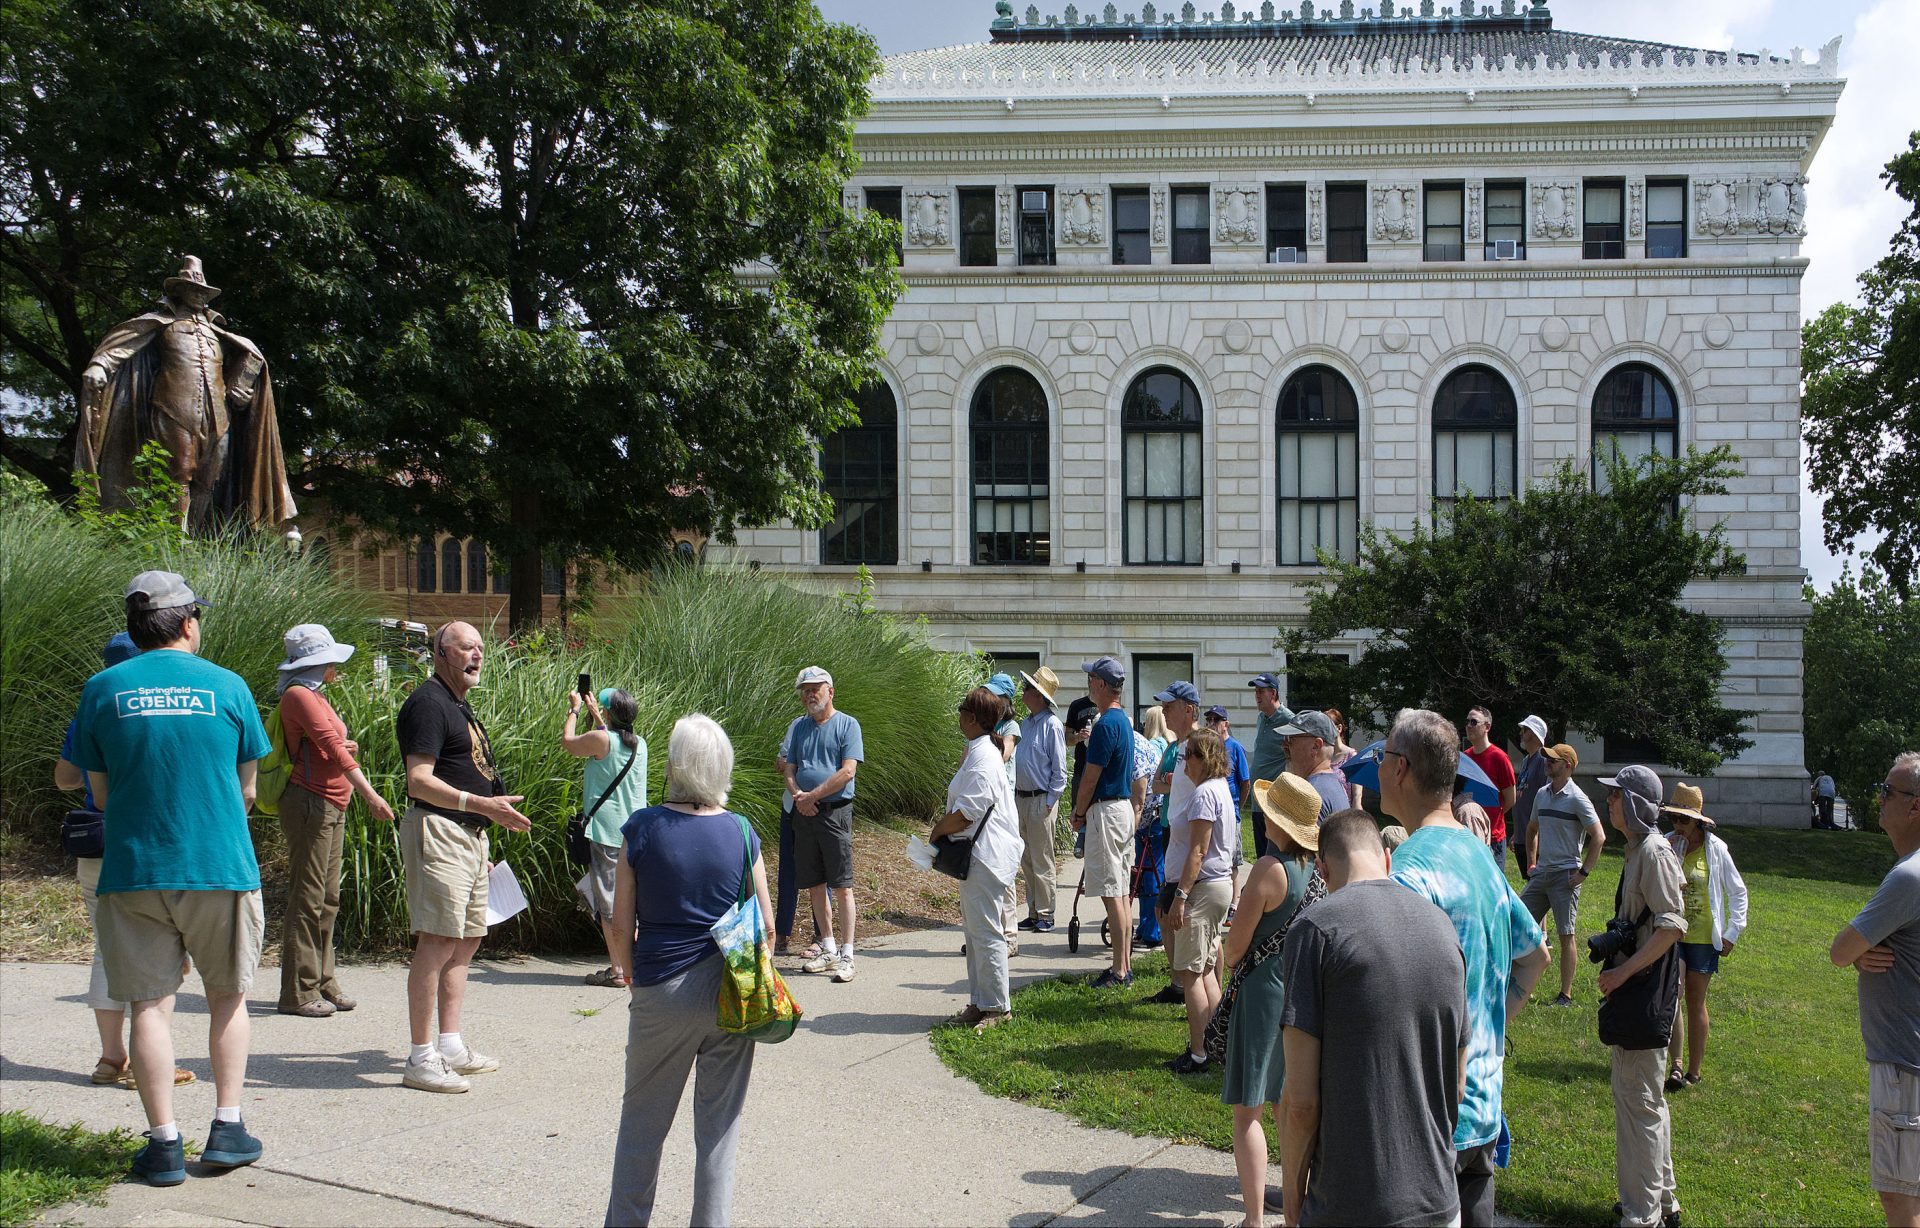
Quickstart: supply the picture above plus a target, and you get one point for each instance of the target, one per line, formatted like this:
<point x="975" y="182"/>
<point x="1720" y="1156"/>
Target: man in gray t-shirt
<point x="1883" y="943"/>
<point x="1376" y="1013"/>
<point x="1563" y="820"/>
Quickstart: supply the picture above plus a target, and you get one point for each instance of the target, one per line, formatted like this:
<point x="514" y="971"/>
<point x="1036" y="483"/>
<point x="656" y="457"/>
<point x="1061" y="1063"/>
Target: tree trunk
<point x="525" y="600"/>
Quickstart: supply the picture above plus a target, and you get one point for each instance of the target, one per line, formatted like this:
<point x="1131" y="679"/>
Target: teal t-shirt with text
<point x="170" y="731"/>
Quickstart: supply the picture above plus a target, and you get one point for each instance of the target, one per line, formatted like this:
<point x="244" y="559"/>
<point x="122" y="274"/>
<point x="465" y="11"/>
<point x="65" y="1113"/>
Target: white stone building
<point x="1190" y="295"/>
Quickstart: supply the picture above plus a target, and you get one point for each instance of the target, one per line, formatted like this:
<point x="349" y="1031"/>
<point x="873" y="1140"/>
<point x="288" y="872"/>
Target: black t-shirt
<point x="1081" y="714"/>
<point x="433" y="722"/>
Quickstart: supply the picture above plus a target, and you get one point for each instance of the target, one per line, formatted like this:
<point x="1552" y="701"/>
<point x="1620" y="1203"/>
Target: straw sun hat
<point x="1687" y="800"/>
<point x="1293" y="806"/>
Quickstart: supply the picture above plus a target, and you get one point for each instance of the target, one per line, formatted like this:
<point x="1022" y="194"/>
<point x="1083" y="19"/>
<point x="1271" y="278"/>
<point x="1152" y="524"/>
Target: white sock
<point x="451" y="1045"/>
<point x="166" y="1133"/>
<point x="420" y="1054"/>
<point x="846" y="952"/>
<point x="232" y="1114"/>
<point x="829" y="946"/>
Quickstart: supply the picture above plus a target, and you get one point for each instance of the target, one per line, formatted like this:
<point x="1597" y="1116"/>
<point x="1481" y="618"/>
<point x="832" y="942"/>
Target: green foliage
<point x="1756" y="1142"/>
<point x="1561" y="601"/>
<point x="1862" y="399"/>
<point x="44" y="1165"/>
<point x="1862" y="684"/>
<point x="152" y="515"/>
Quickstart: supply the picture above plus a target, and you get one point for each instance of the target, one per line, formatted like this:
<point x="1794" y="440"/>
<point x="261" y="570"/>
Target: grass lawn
<point x="1776" y="1133"/>
<point x="43" y="1166"/>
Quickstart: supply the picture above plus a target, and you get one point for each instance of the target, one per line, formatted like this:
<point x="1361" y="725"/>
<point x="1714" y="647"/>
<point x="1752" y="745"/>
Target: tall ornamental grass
<point x="724" y="642"/>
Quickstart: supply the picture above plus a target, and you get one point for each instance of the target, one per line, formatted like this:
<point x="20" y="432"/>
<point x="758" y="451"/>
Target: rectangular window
<point x="1346" y="223"/>
<point x="1192" y="232"/>
<point x="1152" y="673"/>
<point x="886" y="202"/>
<point x="1013" y="663"/>
<point x="1506" y="226"/>
<point x="976" y="227"/>
<point x="1605" y="233"/>
<point x="1132" y="226"/>
<point x="1287" y="223"/>
<point x="502" y="577"/>
<point x="1446" y="222"/>
<point x="1666" y="219"/>
<point x="1477" y="463"/>
<point x="1035" y="230"/>
<point x="1319" y="495"/>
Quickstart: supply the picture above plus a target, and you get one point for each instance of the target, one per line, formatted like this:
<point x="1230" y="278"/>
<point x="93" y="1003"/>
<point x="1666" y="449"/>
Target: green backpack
<point x="271" y="777"/>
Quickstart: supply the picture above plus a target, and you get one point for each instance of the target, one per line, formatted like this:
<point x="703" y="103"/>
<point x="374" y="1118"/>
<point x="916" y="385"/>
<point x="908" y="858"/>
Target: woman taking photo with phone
<point x="615" y="786"/>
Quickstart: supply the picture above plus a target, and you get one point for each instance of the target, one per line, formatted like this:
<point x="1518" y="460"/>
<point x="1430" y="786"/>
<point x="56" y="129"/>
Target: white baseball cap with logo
<point x="810" y="675"/>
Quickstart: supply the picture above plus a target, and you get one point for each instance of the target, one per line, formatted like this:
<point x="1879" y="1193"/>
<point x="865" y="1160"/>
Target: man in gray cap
<point x="1269" y="755"/>
<point x="819" y="757"/>
<point x="1650" y="899"/>
<point x="1103" y="806"/>
<point x="1311" y="738"/>
<point x="171" y="744"/>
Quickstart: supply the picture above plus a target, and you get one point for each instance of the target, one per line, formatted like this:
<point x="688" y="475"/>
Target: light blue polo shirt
<point x="816" y="750"/>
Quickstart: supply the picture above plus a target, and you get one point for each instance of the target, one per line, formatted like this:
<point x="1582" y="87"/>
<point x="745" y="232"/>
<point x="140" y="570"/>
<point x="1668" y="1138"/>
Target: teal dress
<point x="1256" y="1066"/>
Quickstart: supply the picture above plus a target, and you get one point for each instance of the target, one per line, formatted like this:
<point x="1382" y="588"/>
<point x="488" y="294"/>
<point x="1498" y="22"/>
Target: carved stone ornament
<point x="1636" y="209"/>
<point x="1236" y="214"/>
<point x="1553" y="209"/>
<point x="1473" y="212"/>
<point x="1083" y="215"/>
<point x="1393" y="212"/>
<point x="1716" y="205"/>
<point x="1314" y="212"/>
<point x="1159" y="216"/>
<point x="1780" y="205"/>
<point x="1003" y="210"/>
<point x="929" y="217"/>
<point x="850" y="197"/>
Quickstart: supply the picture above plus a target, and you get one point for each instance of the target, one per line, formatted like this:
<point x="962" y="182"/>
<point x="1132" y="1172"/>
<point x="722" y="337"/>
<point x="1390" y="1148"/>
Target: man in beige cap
<point x="1564" y="839"/>
<point x="1039" y="777"/>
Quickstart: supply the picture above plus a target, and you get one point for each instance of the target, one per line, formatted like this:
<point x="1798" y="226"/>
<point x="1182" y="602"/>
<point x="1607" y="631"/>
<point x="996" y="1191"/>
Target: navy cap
<point x="1265" y="680"/>
<point x="1106" y="669"/>
<point x="1183" y="691"/>
<point x="1216" y="713"/>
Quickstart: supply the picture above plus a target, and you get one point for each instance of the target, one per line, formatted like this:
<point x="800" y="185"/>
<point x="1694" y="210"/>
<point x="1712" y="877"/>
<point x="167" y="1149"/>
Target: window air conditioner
<point x="1506" y="249"/>
<point x="1286" y="255"/>
<point x="1033" y="202"/>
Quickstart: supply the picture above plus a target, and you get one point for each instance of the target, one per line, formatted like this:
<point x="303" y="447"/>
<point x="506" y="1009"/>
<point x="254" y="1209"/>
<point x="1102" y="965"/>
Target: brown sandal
<point x="609" y="977"/>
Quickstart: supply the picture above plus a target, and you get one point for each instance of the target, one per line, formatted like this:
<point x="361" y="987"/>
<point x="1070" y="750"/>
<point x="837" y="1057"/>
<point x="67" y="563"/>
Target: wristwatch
<point x="1179" y="893"/>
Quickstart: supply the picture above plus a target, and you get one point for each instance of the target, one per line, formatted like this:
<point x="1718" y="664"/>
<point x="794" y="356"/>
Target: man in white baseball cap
<point x="819" y="757"/>
<point x="1531" y="778"/>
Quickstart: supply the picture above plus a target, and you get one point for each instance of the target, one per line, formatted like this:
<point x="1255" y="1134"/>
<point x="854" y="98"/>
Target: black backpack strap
<point x="631" y="756"/>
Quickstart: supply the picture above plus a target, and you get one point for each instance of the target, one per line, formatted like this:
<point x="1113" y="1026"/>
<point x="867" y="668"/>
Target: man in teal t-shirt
<point x="1503" y="947"/>
<point x="170" y="744"/>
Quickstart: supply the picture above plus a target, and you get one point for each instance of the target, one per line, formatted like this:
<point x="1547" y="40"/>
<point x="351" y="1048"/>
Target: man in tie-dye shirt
<point x="1504" y="949"/>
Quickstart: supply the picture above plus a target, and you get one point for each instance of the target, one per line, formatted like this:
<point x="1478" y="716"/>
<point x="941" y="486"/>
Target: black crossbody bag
<point x="953" y="855"/>
<point x="579" y="848"/>
<point x="1639" y="1014"/>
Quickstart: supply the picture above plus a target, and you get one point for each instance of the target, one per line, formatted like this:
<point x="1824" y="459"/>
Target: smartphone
<point x="586" y="686"/>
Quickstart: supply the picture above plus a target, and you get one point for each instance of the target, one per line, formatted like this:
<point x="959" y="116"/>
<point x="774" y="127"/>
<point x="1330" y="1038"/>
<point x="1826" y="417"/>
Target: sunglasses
<point x="1883" y="788"/>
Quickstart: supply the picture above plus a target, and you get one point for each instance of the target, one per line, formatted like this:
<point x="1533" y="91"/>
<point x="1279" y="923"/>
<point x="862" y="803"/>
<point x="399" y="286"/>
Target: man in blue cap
<point x="1269" y="757"/>
<point x="1103" y="808"/>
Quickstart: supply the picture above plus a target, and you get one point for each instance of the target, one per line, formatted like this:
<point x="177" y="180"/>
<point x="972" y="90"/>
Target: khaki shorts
<point x="1194" y="946"/>
<point x="144" y="936"/>
<point x="446" y="875"/>
<point x="1893" y="1099"/>
<point x="1109" y="859"/>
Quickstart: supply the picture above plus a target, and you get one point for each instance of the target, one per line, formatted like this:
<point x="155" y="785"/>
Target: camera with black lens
<point x="1621" y="938"/>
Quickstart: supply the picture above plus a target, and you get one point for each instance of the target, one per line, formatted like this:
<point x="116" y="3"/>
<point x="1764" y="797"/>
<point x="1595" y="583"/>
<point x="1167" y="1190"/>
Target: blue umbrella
<point x="1364" y="770"/>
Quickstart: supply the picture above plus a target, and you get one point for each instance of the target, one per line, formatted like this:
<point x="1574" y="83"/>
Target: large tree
<point x="1863" y="684"/>
<point x="562" y="276"/>
<point x="1862" y="400"/>
<point x="1562" y="601"/>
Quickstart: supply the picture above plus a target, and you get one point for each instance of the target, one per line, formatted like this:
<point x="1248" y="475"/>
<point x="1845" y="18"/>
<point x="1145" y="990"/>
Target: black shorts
<point x="823" y="847"/>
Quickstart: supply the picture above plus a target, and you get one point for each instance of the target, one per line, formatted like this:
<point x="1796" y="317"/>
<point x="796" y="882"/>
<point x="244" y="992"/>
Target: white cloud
<point x="1713" y="24"/>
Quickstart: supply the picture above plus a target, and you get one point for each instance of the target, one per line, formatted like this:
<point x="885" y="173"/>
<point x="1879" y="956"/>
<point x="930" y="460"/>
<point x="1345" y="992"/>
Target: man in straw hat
<point x="1715" y="902"/>
<point x="1502" y="946"/>
<point x="1564" y="839"/>
<point x="1039" y="777"/>
<point x="1883" y="944"/>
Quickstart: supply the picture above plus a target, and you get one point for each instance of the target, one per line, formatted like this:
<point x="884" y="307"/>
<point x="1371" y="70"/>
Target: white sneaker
<point x="843" y="971"/>
<point x="432" y="1074"/>
<point x="472" y="1062"/>
<point x="823" y="962"/>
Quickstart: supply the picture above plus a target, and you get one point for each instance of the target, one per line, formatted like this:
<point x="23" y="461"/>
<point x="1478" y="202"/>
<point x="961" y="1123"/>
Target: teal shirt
<point x="604" y="826"/>
<point x="1269" y="757"/>
<point x="1452" y="868"/>
<point x="170" y="731"/>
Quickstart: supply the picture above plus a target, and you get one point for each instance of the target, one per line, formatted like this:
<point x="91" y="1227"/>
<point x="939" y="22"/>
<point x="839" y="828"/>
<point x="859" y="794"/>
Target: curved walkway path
<point x="852" y="1121"/>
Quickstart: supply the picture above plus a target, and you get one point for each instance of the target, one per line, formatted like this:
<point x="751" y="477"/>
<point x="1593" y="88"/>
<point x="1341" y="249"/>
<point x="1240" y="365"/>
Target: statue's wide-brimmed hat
<point x="190" y="279"/>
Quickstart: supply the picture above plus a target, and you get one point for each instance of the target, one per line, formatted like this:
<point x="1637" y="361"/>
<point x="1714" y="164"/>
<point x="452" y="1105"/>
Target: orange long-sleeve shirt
<point x="317" y="744"/>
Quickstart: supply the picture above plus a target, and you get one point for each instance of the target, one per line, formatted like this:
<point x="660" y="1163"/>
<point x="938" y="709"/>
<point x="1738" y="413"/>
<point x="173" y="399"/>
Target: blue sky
<point x="1850" y="215"/>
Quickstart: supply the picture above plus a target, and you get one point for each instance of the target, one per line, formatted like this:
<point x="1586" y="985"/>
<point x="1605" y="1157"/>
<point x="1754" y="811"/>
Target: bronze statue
<point x="176" y="375"/>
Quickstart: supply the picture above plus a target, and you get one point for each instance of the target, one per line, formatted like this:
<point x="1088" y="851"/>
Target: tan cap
<point x="1293" y="806"/>
<point x="1564" y="753"/>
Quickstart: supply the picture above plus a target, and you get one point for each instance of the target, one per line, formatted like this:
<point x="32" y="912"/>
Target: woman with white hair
<point x="680" y="871"/>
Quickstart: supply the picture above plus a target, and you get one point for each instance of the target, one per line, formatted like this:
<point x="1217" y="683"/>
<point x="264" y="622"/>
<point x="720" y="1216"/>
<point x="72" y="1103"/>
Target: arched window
<point x="1635" y="414"/>
<point x="860" y="469"/>
<point x="1475" y="419"/>
<point x="450" y="565"/>
<point x="1010" y="468"/>
<point x="476" y="566"/>
<point x="1318" y="434"/>
<point x="425" y="560"/>
<point x="1161" y="468"/>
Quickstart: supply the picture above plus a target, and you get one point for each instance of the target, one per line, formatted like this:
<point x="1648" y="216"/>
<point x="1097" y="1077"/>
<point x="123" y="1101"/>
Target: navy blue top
<point x="686" y="871"/>
<point x="1110" y="749"/>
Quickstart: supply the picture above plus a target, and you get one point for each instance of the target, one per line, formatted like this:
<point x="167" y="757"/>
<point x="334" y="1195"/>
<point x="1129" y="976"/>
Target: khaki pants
<point x="1037" y="864"/>
<point x="1642" y="1136"/>
<point x="316" y="830"/>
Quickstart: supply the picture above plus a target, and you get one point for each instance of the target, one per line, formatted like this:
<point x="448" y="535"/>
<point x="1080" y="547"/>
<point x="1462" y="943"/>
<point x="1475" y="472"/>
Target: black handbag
<point x="83" y="833"/>
<point x="1222" y="1019"/>
<point x="579" y="848"/>
<point x="1639" y="1014"/>
<point x="953" y="855"/>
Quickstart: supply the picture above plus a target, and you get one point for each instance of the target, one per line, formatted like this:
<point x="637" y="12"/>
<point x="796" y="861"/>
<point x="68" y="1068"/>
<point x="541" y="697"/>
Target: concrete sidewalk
<point x="852" y="1121"/>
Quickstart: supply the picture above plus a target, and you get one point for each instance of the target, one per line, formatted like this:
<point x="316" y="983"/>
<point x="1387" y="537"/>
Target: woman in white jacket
<point x="1715" y="901"/>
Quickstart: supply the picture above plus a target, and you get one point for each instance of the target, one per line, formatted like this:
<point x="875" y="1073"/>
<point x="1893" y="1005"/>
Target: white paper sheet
<point x="504" y="897"/>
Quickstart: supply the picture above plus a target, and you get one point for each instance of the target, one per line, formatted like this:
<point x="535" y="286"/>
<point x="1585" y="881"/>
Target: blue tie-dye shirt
<point x="1451" y="867"/>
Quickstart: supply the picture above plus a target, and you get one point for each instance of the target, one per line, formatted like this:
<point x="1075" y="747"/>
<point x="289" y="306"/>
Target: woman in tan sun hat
<point x="1277" y="889"/>
<point x="1715" y="906"/>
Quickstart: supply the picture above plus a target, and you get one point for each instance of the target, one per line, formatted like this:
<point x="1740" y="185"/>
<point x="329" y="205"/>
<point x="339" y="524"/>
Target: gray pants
<point x="1642" y="1136"/>
<point x="983" y="900"/>
<point x="1036" y="829"/>
<point x="671" y="1030"/>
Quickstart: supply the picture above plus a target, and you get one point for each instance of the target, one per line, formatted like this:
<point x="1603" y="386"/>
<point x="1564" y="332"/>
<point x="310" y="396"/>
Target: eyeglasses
<point x="1612" y="793"/>
<point x="1396" y="754"/>
<point x="1883" y="788"/>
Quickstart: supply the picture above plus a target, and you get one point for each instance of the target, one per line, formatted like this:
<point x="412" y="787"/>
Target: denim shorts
<point x="1701" y="957"/>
